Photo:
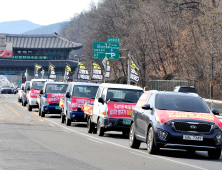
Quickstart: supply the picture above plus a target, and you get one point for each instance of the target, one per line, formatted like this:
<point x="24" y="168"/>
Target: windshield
<point x="27" y="85"/>
<point x="56" y="88"/>
<point x="187" y="90"/>
<point x="123" y="95"/>
<point x="6" y="87"/>
<point x="37" y="85"/>
<point x="181" y="103"/>
<point x="85" y="91"/>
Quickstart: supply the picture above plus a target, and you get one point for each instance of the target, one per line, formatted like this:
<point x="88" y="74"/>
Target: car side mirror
<point x="67" y="95"/>
<point x="146" y="107"/>
<point x="215" y="111"/>
<point x="41" y="91"/>
<point x="28" y="88"/>
<point x="101" y="100"/>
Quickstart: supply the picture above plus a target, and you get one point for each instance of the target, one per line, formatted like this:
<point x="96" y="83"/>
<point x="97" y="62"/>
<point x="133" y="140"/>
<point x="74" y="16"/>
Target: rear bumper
<point x="33" y="102"/>
<point x="115" y="124"/>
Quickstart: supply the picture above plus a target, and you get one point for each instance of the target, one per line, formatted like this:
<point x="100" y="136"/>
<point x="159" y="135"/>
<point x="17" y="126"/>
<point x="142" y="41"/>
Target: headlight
<point x="162" y="134"/>
<point x="215" y="126"/>
<point x="217" y="138"/>
<point x="45" y="101"/>
<point x="168" y="123"/>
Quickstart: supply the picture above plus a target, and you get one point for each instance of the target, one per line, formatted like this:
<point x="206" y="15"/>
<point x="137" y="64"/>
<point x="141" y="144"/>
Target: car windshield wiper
<point x="127" y="101"/>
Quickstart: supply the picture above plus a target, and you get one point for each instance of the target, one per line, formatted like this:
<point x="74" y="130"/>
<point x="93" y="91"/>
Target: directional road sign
<point x="103" y="49"/>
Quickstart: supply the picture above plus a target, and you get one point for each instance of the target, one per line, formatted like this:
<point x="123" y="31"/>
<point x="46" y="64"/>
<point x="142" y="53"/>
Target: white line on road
<point x="141" y="155"/>
<point x="126" y="147"/>
<point x="51" y="125"/>
<point x="94" y="140"/>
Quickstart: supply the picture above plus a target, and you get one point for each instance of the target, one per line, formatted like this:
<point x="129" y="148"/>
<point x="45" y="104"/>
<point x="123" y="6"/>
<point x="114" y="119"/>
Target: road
<point x="31" y="142"/>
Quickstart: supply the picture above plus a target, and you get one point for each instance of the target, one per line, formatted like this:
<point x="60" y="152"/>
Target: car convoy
<point x="178" y="120"/>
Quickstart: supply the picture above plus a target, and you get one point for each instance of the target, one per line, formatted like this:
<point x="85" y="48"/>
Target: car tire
<point x="42" y="114"/>
<point x="100" y="130"/>
<point x="39" y="112"/>
<point x="151" y="147"/>
<point x="22" y="103"/>
<point x="19" y="100"/>
<point x="214" y="154"/>
<point x="133" y="142"/>
<point x="68" y="121"/>
<point x="90" y="126"/>
<point x="29" y="107"/>
<point x="62" y="118"/>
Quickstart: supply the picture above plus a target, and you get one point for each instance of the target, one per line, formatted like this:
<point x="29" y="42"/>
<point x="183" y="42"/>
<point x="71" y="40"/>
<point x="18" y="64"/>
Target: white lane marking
<point x="51" y="125"/>
<point x="126" y="147"/>
<point x="141" y="155"/>
<point x="94" y="140"/>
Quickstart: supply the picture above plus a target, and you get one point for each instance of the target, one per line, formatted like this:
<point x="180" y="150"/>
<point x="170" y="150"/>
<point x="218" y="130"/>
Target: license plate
<point x="126" y="122"/>
<point x="188" y="137"/>
<point x="57" y="107"/>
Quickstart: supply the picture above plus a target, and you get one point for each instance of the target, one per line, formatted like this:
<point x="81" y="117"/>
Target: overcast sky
<point x="42" y="12"/>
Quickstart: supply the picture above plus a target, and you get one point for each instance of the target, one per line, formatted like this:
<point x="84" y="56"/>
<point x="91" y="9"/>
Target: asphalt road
<point x="30" y="142"/>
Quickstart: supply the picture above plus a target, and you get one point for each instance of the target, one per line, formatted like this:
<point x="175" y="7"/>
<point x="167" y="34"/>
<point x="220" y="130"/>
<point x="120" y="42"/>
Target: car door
<point x="96" y="104"/>
<point x="146" y="116"/>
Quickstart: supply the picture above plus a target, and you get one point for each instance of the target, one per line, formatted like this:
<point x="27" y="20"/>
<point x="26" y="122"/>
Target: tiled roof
<point x="31" y="63"/>
<point x="41" y="41"/>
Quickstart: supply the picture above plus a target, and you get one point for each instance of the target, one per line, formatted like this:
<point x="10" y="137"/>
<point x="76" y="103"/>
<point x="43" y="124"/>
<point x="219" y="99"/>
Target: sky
<point x="42" y="12"/>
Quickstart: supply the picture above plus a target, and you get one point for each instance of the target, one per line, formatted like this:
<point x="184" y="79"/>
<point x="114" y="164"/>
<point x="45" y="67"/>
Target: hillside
<point x="48" y="29"/>
<point x="17" y="27"/>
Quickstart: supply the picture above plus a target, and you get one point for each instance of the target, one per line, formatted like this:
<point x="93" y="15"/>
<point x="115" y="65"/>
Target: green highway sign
<point x="113" y="40"/>
<point x="103" y="49"/>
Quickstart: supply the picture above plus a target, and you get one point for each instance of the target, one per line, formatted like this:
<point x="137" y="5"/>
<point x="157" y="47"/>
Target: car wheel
<point x="68" y="121"/>
<point x="29" y="107"/>
<point x="19" y="100"/>
<point x="42" y="114"/>
<point x="62" y="118"/>
<point x="90" y="126"/>
<point x="39" y="112"/>
<point x="100" y="130"/>
<point x="214" y="154"/>
<point x="151" y="147"/>
<point x="22" y="103"/>
<point x="133" y="142"/>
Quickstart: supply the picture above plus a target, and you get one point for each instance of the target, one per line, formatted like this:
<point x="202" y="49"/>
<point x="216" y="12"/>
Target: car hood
<point x="166" y="115"/>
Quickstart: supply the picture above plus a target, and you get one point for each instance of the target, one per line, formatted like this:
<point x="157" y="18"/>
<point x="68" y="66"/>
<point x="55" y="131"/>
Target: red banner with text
<point x="79" y="102"/>
<point x="54" y="97"/>
<point x="34" y="93"/>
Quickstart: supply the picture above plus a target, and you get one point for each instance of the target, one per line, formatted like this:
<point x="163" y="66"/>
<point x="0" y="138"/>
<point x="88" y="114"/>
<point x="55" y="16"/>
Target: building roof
<point x="50" y="41"/>
<point x="31" y="63"/>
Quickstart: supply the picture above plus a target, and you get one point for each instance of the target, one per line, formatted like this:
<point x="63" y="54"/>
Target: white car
<point x="34" y="90"/>
<point x="112" y="108"/>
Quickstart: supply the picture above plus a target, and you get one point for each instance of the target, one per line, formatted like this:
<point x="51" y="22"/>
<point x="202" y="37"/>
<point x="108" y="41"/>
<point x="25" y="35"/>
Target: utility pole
<point x="212" y="61"/>
<point x="129" y="67"/>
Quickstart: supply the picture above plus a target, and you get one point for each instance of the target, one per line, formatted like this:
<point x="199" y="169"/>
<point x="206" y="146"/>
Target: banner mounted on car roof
<point x="51" y="74"/>
<point x="83" y="73"/>
<point x="96" y="72"/>
<point x="134" y="77"/>
<point x="37" y="68"/>
<point x="107" y="67"/>
<point x="67" y="72"/>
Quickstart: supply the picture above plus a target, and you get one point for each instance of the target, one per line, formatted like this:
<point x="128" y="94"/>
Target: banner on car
<point x="37" y="68"/>
<point x="54" y="97"/>
<point x="134" y="77"/>
<point x="123" y="110"/>
<point x="79" y="102"/>
<point x="34" y="93"/>
<point x="83" y="73"/>
<point x="51" y="74"/>
<point x="96" y="72"/>
<point x="67" y="72"/>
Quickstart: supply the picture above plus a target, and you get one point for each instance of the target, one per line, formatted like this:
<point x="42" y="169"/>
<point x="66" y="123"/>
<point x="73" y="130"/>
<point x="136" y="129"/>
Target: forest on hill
<point x="169" y="39"/>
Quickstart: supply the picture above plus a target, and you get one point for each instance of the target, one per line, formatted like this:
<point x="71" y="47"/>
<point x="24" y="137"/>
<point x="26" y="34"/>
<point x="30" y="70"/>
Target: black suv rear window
<point x="187" y="90"/>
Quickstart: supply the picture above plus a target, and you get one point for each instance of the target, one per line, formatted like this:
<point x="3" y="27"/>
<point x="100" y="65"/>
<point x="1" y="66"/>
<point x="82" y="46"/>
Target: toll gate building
<point x="19" y="52"/>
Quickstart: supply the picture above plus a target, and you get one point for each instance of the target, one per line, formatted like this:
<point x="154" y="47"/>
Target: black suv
<point x="175" y="120"/>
